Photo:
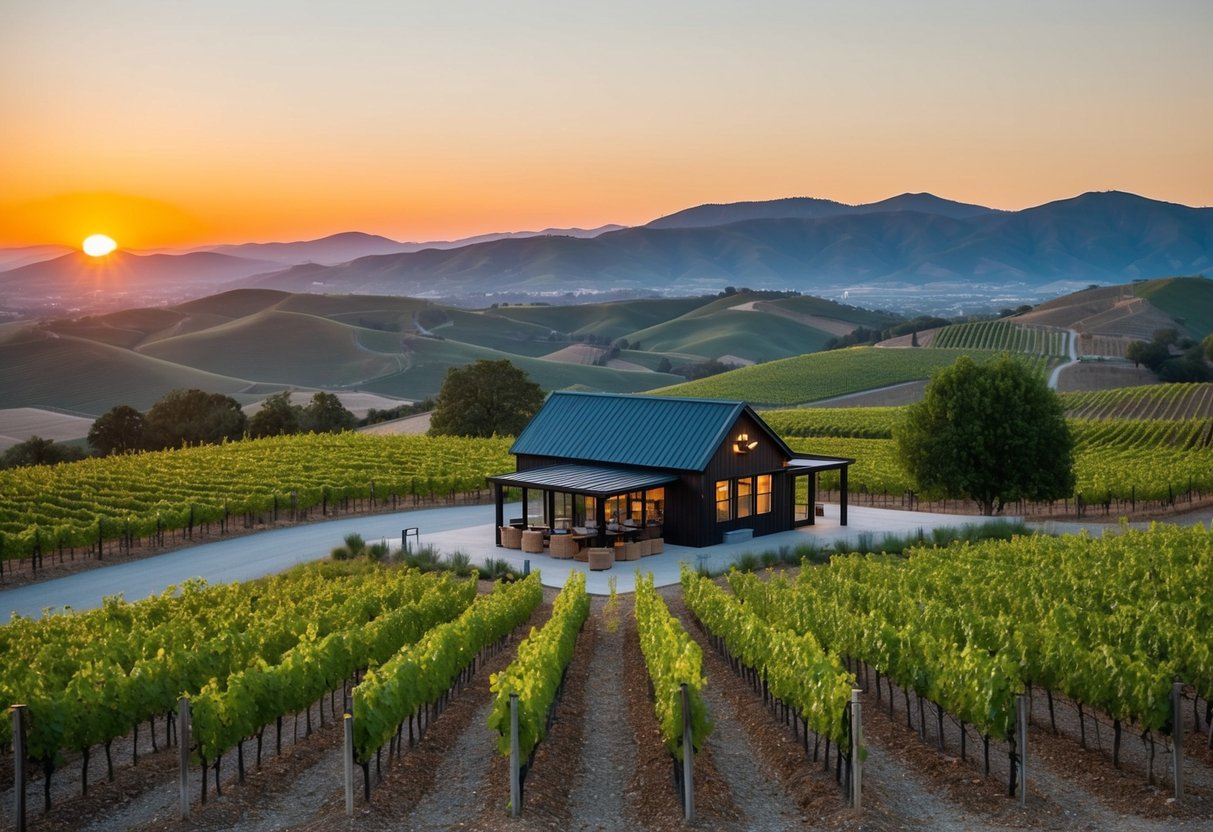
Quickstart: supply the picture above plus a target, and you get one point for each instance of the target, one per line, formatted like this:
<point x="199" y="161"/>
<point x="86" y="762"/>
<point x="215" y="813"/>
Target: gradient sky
<point x="171" y="122"/>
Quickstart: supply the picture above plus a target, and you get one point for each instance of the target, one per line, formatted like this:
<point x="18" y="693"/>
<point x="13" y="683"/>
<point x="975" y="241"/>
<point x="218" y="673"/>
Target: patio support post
<point x="498" y="499"/>
<point x="526" y="508"/>
<point x="812" y="507"/>
<point x="600" y="507"/>
<point x="842" y="495"/>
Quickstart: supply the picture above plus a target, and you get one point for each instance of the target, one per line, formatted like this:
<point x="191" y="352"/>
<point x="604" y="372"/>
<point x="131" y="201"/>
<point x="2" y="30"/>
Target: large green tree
<point x="485" y="398"/>
<point x="992" y="433"/>
<point x="119" y="430"/>
<point x="326" y="414"/>
<point x="192" y="417"/>
<point x="277" y="416"/>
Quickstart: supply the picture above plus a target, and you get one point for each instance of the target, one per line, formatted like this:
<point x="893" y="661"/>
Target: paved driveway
<point x="464" y="528"/>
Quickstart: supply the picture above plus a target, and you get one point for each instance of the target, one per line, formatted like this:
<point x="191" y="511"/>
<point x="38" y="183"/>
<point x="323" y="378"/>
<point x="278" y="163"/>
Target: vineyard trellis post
<point x="1177" y="737"/>
<point x="1022" y="715"/>
<point x="688" y="758"/>
<point x="19" y="755"/>
<point x="856" y="750"/>
<point x="515" y="762"/>
<point x="347" y="756"/>
<point x="183" y="754"/>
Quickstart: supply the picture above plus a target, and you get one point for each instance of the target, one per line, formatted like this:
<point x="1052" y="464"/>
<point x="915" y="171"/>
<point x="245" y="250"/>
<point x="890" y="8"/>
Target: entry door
<point x="804" y="495"/>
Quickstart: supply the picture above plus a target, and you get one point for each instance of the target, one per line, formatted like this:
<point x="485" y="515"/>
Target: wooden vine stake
<point x="688" y="758"/>
<point x="183" y="755"/>
<point x="515" y="762"/>
<point x="1021" y="741"/>
<point x="19" y="755"/>
<point x="856" y="750"/>
<point x="347" y="756"/>
<point x="1177" y="738"/>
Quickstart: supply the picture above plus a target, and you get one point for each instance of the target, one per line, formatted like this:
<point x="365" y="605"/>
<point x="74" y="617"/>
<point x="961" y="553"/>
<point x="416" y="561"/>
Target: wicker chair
<point x="600" y="558"/>
<point x="657" y="545"/>
<point x="511" y="538"/>
<point x="562" y="546"/>
<point x="532" y="542"/>
<point x="627" y="551"/>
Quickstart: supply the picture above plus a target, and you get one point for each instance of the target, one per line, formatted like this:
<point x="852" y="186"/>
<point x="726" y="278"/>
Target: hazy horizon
<point x="176" y="127"/>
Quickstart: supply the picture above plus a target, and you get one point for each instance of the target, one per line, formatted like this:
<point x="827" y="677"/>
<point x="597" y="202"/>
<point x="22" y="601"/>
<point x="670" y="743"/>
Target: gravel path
<point x="460" y="778"/>
<point x="911" y="799"/>
<point x="608" y="753"/>
<point x="754" y="786"/>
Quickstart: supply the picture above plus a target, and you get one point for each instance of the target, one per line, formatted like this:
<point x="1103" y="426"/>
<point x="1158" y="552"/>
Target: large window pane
<point x="724" y="509"/>
<point x="764" y="494"/>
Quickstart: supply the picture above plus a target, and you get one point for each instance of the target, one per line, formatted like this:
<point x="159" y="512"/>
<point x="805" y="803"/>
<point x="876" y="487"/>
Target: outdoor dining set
<point x="624" y="541"/>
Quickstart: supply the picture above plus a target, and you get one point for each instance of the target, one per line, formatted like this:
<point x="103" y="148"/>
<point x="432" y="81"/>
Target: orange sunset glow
<point x="227" y="122"/>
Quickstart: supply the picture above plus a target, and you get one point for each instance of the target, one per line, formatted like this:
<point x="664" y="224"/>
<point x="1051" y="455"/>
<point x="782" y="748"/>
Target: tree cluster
<point x="39" y="451"/>
<point x="863" y="335"/>
<point x="195" y="417"/>
<point x="1172" y="357"/>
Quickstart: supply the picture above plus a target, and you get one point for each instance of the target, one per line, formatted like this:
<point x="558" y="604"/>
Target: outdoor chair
<point x="601" y="558"/>
<point x="656" y="546"/>
<point x="627" y="551"/>
<point x="562" y="546"/>
<point x="511" y="538"/>
<point x="532" y="542"/>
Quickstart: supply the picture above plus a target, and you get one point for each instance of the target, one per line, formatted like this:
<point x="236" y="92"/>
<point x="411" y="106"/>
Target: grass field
<point x="20" y="423"/>
<point x="88" y="377"/>
<point x="1189" y="299"/>
<point x="757" y="336"/>
<point x="610" y="320"/>
<point x="278" y="346"/>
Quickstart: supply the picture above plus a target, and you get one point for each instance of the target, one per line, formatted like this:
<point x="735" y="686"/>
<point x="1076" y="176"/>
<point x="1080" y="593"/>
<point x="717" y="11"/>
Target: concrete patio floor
<point x="477" y="542"/>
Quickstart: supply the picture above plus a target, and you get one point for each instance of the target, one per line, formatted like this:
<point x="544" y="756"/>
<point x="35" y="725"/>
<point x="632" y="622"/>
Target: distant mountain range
<point x="807" y="245"/>
<point x="350" y="245"/>
<point x="913" y="242"/>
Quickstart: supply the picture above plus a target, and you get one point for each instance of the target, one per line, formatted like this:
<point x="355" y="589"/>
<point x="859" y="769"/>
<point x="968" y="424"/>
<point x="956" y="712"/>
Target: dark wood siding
<point x="727" y="464"/>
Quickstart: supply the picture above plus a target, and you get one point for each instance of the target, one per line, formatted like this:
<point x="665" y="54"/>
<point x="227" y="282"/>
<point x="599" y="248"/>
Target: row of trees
<point x="192" y="417"/>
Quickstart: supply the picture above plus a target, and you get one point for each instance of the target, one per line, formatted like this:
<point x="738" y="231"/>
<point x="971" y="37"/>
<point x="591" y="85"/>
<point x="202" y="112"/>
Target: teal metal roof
<point x="585" y="479"/>
<point x="645" y="431"/>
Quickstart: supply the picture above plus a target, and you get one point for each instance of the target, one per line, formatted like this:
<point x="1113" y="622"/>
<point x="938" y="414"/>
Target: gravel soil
<point x="604" y="767"/>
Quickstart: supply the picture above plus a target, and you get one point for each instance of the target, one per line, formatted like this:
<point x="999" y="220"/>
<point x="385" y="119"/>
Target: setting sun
<point x="98" y="245"/>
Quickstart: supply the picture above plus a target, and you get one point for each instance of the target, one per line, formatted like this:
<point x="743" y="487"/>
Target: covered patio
<point x="576" y="507"/>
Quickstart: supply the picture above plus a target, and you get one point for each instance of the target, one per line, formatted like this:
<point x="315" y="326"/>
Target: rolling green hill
<point x="281" y="347"/>
<point x="822" y="375"/>
<point x="41" y="370"/>
<point x="1189" y="299"/>
<point x="756" y="336"/>
<point x="608" y="320"/>
<point x="428" y="359"/>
